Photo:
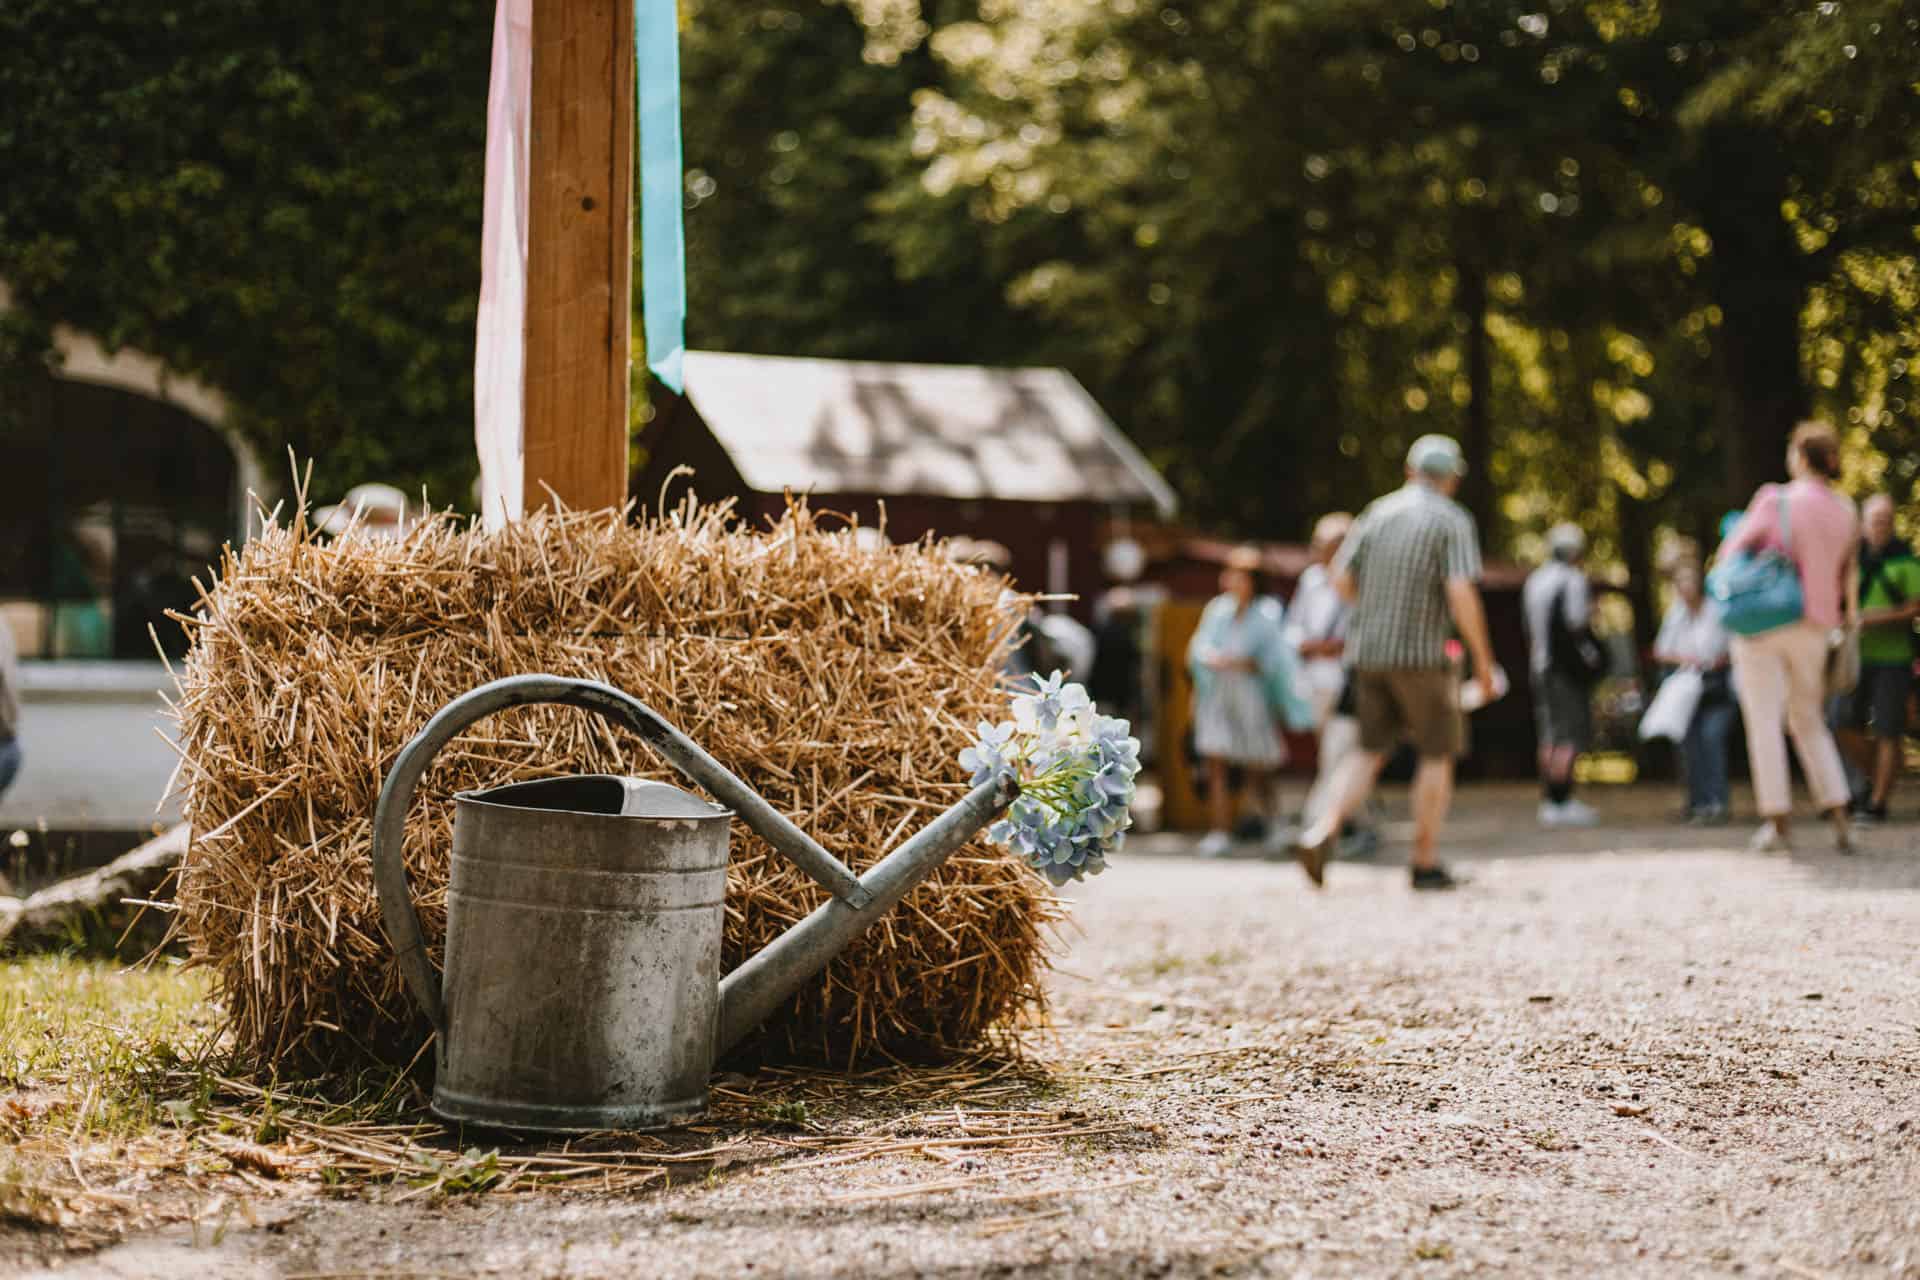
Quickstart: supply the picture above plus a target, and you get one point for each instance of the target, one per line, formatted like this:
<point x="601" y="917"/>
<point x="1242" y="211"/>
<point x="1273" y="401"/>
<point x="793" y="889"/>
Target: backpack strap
<point x="1877" y="572"/>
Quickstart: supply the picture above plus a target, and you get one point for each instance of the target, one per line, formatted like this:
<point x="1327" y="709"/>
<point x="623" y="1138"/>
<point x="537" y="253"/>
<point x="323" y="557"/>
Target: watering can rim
<point x="715" y="813"/>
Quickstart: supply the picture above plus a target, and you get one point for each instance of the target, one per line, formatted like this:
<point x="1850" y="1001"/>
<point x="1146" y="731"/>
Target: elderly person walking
<point x="1781" y="673"/>
<point x="1411" y="562"/>
<point x="1243" y="678"/>
<point x="1692" y="639"/>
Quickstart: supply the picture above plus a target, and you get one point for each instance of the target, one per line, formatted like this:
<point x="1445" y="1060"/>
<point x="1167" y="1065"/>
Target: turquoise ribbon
<point x="663" y="246"/>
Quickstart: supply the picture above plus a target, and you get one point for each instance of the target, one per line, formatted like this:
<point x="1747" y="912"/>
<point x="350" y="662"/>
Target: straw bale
<point x="837" y="677"/>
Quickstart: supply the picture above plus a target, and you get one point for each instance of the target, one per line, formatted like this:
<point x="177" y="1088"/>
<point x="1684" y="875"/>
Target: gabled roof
<point x="953" y="431"/>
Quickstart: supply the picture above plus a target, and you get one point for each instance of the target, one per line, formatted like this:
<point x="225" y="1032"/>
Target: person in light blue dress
<point x="1243" y="671"/>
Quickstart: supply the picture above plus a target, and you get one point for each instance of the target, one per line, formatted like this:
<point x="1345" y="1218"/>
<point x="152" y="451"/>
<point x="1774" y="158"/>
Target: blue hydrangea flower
<point x="987" y="757"/>
<point x="1077" y="773"/>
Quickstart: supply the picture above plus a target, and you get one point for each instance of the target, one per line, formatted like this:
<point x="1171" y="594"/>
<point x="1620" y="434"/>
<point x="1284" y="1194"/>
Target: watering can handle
<point x="390" y="814"/>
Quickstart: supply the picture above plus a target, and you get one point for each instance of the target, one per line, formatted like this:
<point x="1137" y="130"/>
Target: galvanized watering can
<point x="582" y="985"/>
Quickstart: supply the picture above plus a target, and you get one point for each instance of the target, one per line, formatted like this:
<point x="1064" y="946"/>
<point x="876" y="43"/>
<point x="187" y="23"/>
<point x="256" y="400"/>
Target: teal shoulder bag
<point x="1759" y="591"/>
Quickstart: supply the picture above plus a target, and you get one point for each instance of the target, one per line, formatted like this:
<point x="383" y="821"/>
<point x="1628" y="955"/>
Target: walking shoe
<point x="1214" y="844"/>
<point x="1359" y="844"/>
<point x="1569" y="814"/>
<point x="1279" y="841"/>
<point x="1869" y="815"/>
<point x="1576" y="814"/>
<point x="1710" y="816"/>
<point x="1312" y="858"/>
<point x="1768" y="839"/>
<point x="1434" y="877"/>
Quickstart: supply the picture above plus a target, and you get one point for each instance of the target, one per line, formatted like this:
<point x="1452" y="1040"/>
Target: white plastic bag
<point x="1671" y="710"/>
<point x="1470" y="699"/>
<point x="1843" y="660"/>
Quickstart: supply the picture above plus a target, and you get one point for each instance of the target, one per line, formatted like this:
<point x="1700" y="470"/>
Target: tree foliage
<point x="794" y="113"/>
<point x="1619" y="246"/>
<point x="281" y="199"/>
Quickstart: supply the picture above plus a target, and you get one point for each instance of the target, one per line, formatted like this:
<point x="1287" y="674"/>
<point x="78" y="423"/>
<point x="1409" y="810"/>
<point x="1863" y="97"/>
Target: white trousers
<point x="1781" y="678"/>
<point x="1339" y="738"/>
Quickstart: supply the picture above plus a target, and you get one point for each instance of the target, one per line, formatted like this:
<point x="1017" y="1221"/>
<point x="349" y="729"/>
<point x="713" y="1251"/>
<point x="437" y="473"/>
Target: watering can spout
<point x="766" y="979"/>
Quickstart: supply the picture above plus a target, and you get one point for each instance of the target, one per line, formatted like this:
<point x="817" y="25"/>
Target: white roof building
<point x="898" y="430"/>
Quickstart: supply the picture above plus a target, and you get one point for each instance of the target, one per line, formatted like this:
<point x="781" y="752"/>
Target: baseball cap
<point x="1566" y="539"/>
<point x="1437" y="455"/>
<point x="1247" y="558"/>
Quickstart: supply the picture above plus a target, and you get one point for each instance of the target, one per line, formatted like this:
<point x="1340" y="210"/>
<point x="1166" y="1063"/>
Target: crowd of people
<point x="1392" y="588"/>
<point x="1366" y="657"/>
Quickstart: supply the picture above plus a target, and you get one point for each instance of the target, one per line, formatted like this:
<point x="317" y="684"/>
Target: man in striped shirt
<point x="1410" y="565"/>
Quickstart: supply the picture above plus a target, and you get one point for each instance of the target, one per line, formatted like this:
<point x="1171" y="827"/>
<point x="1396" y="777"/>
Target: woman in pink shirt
<point x="1780" y="675"/>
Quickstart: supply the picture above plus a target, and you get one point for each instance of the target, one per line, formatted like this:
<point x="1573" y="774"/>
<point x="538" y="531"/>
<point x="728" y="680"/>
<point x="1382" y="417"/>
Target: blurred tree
<point x="1617" y="246"/>
<point x="794" y="111"/>
<point x="1136" y="172"/>
<point x="281" y="199"/>
<point x="1590" y="238"/>
<point x="1808" y="128"/>
<point x="285" y="201"/>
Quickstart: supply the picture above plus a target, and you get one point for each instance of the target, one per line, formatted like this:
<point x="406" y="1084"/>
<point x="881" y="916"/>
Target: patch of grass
<point x="98" y="1061"/>
<point x="103" y="1034"/>
<point x="473" y="1170"/>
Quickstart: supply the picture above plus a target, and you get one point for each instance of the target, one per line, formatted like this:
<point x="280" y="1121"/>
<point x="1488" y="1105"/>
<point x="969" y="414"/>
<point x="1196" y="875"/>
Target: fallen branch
<point x="49" y="914"/>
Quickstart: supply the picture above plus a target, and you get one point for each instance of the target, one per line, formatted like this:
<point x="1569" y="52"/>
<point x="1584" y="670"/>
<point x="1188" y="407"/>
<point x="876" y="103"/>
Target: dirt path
<point x="1637" y="1062"/>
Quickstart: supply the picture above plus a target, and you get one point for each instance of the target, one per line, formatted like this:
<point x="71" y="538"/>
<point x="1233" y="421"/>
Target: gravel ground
<point x="1633" y="1052"/>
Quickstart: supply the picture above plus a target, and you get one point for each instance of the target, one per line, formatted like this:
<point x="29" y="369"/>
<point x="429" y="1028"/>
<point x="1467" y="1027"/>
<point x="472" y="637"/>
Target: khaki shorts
<point x="1421" y="707"/>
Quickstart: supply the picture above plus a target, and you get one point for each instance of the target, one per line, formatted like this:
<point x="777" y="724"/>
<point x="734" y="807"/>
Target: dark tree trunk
<point x="1476" y="490"/>
<point x="1763" y="394"/>
<point x="1261" y="375"/>
<point x="94" y="904"/>
<point x="1706" y="533"/>
<point x="1636" y="550"/>
<point x="1760" y="279"/>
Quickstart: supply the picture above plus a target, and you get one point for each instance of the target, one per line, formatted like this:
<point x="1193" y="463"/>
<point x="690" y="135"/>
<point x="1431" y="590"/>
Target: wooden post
<point x="579" y="253"/>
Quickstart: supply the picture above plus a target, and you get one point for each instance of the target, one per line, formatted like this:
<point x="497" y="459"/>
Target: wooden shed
<point x="1023" y="457"/>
